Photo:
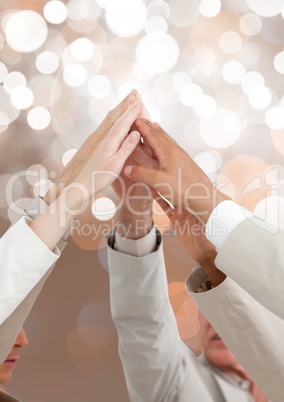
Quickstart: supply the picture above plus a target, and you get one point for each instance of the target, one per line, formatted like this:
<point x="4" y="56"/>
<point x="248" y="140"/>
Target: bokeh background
<point x="210" y="71"/>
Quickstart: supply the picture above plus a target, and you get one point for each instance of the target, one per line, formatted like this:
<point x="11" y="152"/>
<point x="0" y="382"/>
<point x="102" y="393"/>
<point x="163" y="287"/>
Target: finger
<point x="142" y="174"/>
<point x="143" y="159"/>
<point x="127" y="147"/>
<point x="166" y="207"/>
<point x="121" y="127"/>
<point x="145" y="114"/>
<point x="115" y="113"/>
<point x="155" y="128"/>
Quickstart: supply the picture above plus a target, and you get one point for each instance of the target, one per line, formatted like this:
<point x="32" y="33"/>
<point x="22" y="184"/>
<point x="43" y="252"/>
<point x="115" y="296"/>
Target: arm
<point x="157" y="365"/>
<point x="28" y="249"/>
<point x="249" y="330"/>
<point x="249" y="251"/>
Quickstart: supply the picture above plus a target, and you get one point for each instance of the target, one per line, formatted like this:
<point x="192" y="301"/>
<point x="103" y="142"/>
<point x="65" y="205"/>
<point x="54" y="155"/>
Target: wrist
<point x="214" y="275"/>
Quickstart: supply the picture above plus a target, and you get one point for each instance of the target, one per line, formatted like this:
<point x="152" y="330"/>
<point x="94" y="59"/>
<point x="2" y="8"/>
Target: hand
<point x="191" y="234"/>
<point x="107" y="161"/>
<point x="172" y="172"/>
<point x="82" y="156"/>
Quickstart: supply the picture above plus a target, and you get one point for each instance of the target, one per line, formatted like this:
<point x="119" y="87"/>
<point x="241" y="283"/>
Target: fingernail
<point x="128" y="170"/>
<point x="134" y="136"/>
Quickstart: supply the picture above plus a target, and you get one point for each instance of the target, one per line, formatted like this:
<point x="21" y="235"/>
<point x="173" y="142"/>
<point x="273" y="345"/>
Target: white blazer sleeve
<point x="251" y="332"/>
<point x="25" y="264"/>
<point x="158" y="366"/>
<point x="253" y="256"/>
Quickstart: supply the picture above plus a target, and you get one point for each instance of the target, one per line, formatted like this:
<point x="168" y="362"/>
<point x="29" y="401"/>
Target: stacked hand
<point x="172" y="172"/>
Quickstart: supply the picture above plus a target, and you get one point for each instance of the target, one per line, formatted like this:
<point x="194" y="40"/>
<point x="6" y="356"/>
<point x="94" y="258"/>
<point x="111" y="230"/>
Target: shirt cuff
<point x="223" y="220"/>
<point x="198" y="282"/>
<point x="137" y="248"/>
<point x="38" y="206"/>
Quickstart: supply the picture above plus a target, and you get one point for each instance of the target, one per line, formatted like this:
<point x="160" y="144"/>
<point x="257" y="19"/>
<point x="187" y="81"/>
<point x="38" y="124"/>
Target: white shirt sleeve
<point x="223" y="220"/>
<point x="137" y="248"/>
<point x="24" y="261"/>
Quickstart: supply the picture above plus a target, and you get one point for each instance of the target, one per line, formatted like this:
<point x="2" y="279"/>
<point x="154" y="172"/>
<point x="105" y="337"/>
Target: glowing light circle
<point x="126" y="17"/>
<point x="39" y="118"/>
<point x="55" y="12"/>
<point x="47" y="62"/>
<point x="266" y="8"/>
<point x="26" y="31"/>
<point x="157" y="52"/>
<point x="22" y="97"/>
<point x="103" y="209"/>
<point x="99" y="87"/>
<point x="220" y="130"/>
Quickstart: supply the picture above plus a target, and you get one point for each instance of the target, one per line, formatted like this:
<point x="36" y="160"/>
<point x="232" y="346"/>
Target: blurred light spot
<point x="266" y="8"/>
<point x="13" y="80"/>
<point x="204" y="58"/>
<point x="274" y="118"/>
<point x="62" y="123"/>
<point x="233" y="72"/>
<point x="278" y="140"/>
<point x="206" y="107"/>
<point x="36" y="173"/>
<point x="252" y="80"/>
<point x="39" y="118"/>
<point x="279" y="62"/>
<point x="250" y="53"/>
<point x="157" y="53"/>
<point x="271" y="210"/>
<point x="210" y="8"/>
<point x="26" y="31"/>
<point x="209" y="161"/>
<point x="250" y="24"/>
<point x="55" y="12"/>
<point x="42" y="187"/>
<point x="183" y="13"/>
<point x="103" y="209"/>
<point x="99" y="87"/>
<point x="95" y="326"/>
<point x="82" y="49"/>
<point x="230" y="42"/>
<point x="3" y="72"/>
<point x="47" y="62"/>
<point x="22" y="97"/>
<point x="74" y="75"/>
<point x="191" y="95"/>
<point x="68" y="155"/>
<point x="175" y="288"/>
<point x="247" y="172"/>
<point x="126" y="17"/>
<point x="6" y="107"/>
<point x="259" y="97"/>
<point x="140" y="73"/>
<point x="158" y="7"/>
<point x="1" y="42"/>
<point x="156" y="24"/>
<point x="221" y="129"/>
<point x="83" y="9"/>
<point x="179" y="80"/>
<point x="103" y="3"/>
<point x="4" y="122"/>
